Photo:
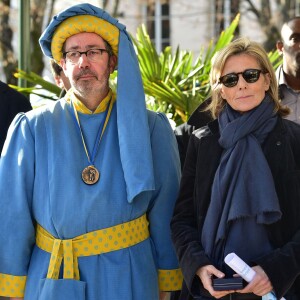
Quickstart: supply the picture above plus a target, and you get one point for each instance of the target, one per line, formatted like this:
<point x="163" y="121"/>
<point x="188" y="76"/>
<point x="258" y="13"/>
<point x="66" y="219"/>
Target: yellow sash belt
<point x="93" y="243"/>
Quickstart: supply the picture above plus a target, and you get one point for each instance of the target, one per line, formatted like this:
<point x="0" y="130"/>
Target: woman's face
<point x="244" y="96"/>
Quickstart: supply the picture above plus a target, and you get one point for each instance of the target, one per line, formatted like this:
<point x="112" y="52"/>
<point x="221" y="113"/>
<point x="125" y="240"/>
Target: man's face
<point x="88" y="76"/>
<point x="290" y="46"/>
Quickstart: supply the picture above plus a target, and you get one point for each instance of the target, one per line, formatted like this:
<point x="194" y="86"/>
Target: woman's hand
<point x="205" y="274"/>
<point x="260" y="284"/>
<point x="16" y="298"/>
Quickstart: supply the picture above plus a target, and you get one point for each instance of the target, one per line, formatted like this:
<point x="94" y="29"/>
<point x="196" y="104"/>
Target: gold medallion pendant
<point x="90" y="175"/>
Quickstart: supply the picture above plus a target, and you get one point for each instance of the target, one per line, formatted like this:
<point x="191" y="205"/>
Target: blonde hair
<point x="237" y="47"/>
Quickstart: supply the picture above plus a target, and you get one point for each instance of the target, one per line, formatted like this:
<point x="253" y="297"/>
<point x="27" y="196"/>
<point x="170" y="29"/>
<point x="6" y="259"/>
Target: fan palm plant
<point x="176" y="83"/>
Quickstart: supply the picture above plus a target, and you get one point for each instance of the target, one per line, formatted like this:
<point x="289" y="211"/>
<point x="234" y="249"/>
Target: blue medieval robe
<point x="40" y="183"/>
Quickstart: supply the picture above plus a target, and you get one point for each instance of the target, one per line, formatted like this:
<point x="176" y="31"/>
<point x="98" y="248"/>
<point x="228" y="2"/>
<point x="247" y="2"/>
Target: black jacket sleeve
<point x="184" y="226"/>
<point x="11" y="103"/>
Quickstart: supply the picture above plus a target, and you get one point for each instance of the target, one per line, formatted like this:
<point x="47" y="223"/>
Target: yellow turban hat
<point x="83" y="23"/>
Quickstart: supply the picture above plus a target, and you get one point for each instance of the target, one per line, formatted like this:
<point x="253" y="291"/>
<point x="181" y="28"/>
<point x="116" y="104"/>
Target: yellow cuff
<point x="170" y="280"/>
<point x="12" y="286"/>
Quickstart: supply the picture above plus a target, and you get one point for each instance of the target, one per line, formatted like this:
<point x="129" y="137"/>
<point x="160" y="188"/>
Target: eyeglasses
<point x="93" y="55"/>
<point x="231" y="79"/>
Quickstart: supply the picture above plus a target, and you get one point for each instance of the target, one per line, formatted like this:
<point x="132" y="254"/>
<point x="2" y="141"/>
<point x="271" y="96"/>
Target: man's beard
<point x="84" y="86"/>
<point x="92" y="85"/>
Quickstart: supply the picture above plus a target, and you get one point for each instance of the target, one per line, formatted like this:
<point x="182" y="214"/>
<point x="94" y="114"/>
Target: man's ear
<point x="63" y="63"/>
<point x="279" y="46"/>
<point x="113" y="60"/>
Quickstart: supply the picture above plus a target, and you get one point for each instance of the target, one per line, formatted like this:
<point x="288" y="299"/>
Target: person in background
<point x="60" y="78"/>
<point x="240" y="186"/>
<point x="288" y="74"/>
<point x="11" y="103"/>
<point x="199" y="118"/>
<point x="88" y="183"/>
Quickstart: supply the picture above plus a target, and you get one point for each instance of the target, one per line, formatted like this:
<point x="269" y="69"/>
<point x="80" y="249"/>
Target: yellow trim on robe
<point x="92" y="243"/>
<point x="12" y="286"/>
<point x="80" y="107"/>
<point x="170" y="280"/>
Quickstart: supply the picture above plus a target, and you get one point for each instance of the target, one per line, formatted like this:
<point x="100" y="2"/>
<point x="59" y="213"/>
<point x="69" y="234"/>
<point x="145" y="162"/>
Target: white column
<point x="227" y="13"/>
<point x="158" y="30"/>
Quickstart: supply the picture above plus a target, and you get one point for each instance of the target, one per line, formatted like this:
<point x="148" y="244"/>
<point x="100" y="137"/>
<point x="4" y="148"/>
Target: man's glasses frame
<point x="231" y="79"/>
<point x="93" y="55"/>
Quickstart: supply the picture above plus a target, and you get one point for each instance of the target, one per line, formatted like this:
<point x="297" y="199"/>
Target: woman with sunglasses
<point x="240" y="187"/>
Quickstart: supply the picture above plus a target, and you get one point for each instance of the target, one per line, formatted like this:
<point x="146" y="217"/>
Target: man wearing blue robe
<point x="88" y="183"/>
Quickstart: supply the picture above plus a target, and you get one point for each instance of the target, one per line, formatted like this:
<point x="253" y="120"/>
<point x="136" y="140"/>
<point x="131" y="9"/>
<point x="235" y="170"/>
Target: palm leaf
<point x="38" y="81"/>
<point x="174" y="82"/>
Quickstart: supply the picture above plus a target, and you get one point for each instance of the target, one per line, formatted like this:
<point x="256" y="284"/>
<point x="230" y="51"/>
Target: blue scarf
<point x="243" y="185"/>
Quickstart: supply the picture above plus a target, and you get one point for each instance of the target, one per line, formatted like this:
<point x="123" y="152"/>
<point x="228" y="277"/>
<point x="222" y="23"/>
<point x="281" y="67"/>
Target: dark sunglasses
<point x="231" y="79"/>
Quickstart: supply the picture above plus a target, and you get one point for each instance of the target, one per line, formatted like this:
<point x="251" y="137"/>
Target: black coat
<point x="282" y="150"/>
<point x="199" y="118"/>
<point x="11" y="103"/>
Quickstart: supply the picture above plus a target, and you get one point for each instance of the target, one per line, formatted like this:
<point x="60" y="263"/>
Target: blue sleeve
<point x="167" y="177"/>
<point x="17" y="233"/>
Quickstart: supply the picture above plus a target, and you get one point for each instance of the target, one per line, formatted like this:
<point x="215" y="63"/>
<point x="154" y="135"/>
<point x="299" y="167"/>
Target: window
<point x="158" y="23"/>
<point x="225" y="12"/>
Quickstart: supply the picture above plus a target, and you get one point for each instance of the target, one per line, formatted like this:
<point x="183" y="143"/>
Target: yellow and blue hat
<point x="133" y="128"/>
<point x="83" y="23"/>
